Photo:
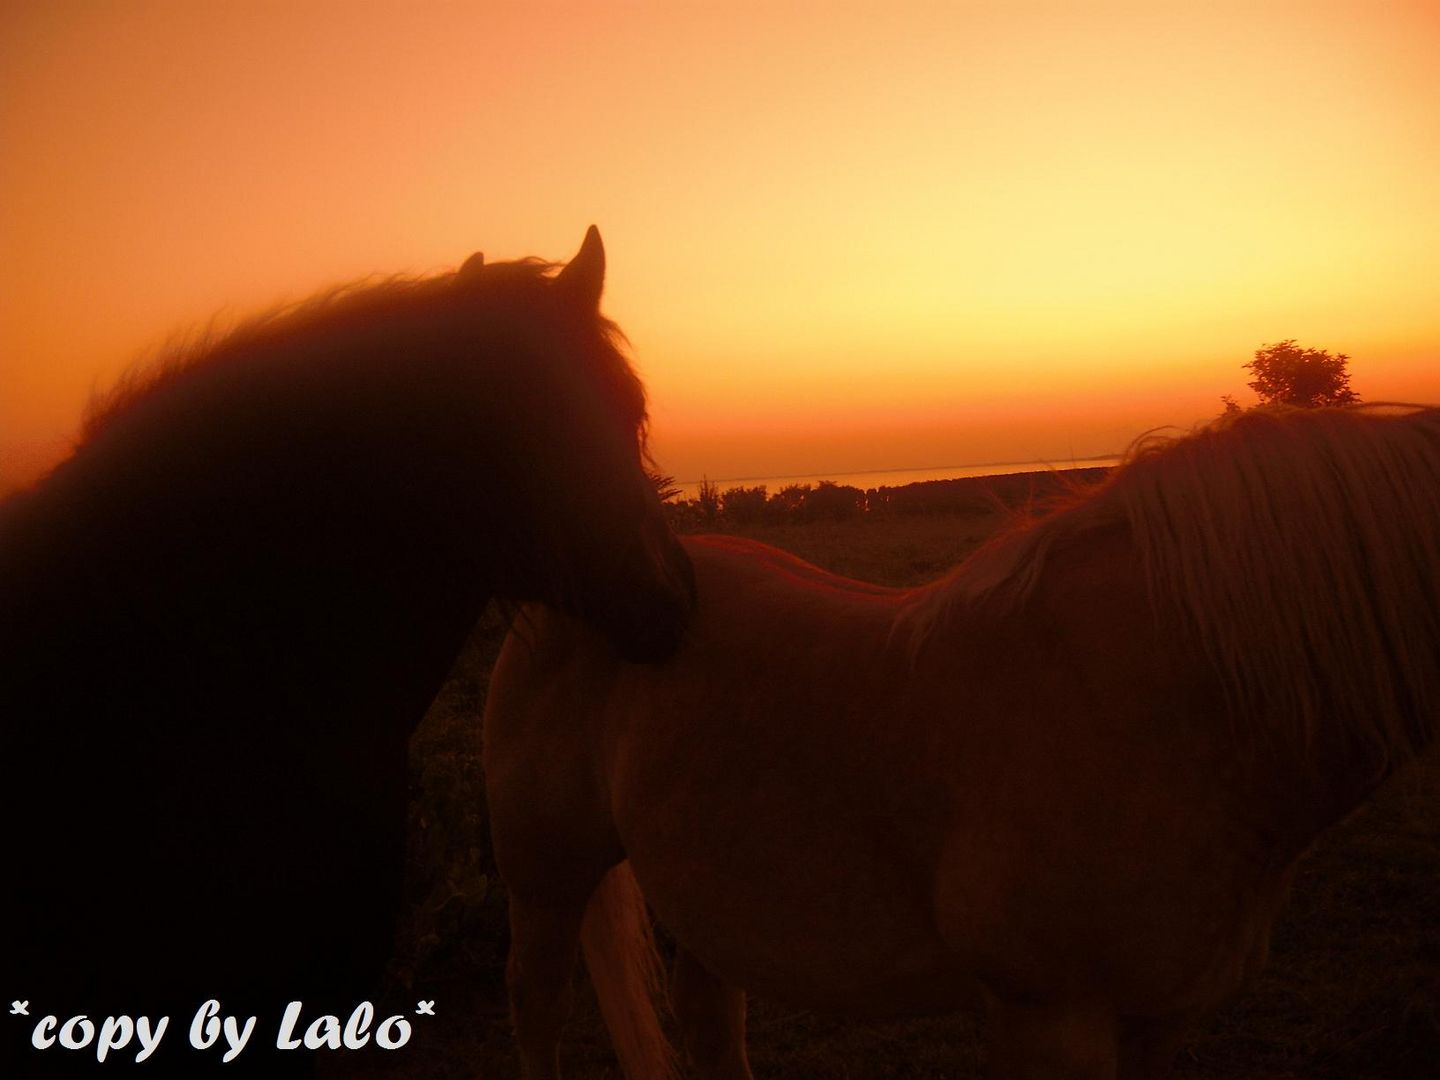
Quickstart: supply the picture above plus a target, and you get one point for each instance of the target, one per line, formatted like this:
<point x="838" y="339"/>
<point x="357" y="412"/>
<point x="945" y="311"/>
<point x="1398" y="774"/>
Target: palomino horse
<point x="222" y="618"/>
<point x="1068" y="781"/>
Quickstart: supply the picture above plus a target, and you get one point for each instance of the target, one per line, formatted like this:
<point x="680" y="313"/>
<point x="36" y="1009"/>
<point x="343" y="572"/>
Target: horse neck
<point x="1088" y="595"/>
<point x="311" y="564"/>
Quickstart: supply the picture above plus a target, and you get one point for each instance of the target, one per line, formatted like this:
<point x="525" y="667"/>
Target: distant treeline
<point x="828" y="501"/>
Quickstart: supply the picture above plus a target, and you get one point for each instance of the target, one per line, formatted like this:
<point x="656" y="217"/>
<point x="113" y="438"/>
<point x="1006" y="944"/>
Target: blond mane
<point x="1300" y="549"/>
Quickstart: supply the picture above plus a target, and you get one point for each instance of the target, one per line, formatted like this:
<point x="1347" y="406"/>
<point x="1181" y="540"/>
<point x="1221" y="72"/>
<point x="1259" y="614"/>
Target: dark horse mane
<point x="358" y="312"/>
<point x="269" y="395"/>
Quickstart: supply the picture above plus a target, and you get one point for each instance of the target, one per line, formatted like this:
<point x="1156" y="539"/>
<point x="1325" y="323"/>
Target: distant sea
<point x="898" y="477"/>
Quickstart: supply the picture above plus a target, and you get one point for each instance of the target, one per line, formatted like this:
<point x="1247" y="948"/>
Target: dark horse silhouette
<point x="222" y="618"/>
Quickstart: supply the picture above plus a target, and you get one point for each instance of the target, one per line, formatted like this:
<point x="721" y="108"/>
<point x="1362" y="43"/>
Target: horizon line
<point x="898" y="469"/>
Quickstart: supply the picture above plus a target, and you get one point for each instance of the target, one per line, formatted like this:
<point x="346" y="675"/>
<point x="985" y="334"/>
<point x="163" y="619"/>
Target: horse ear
<point x="584" y="276"/>
<point x="471" y="268"/>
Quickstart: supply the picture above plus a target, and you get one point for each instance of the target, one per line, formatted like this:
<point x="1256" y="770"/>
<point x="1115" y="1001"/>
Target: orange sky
<point x="841" y="236"/>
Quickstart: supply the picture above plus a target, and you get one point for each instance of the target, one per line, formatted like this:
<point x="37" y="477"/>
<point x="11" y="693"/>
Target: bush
<point x="743" y="505"/>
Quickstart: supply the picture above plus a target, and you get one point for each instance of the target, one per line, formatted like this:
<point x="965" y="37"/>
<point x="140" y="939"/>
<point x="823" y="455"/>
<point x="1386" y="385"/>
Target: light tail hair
<point x="625" y="968"/>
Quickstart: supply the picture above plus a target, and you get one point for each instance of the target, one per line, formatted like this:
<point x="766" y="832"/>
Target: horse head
<point x="591" y="529"/>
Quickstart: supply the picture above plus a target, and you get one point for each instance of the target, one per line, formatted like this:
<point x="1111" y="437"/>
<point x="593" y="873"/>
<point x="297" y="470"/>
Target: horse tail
<point x="628" y="975"/>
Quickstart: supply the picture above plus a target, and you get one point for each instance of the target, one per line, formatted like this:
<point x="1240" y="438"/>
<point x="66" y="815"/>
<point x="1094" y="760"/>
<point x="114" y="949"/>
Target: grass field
<point x="1352" y="990"/>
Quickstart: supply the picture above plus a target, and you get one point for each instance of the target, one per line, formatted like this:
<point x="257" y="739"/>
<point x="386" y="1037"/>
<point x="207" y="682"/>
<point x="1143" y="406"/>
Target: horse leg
<point x="1032" y="1040"/>
<point x="551" y="834"/>
<point x="711" y="1015"/>
<point x="543" y="945"/>
<point x="548" y="904"/>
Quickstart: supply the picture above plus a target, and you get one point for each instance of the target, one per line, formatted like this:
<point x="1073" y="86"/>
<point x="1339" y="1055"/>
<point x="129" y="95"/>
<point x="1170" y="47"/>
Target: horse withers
<point x="223" y="616"/>
<point x="1067" y="783"/>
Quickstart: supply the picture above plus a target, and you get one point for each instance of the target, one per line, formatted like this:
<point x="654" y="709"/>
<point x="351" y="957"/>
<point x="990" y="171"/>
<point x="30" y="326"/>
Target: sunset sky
<point x="841" y="236"/>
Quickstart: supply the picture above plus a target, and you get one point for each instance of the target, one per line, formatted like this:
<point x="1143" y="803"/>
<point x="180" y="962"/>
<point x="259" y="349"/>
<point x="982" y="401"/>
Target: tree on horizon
<point x="1287" y="374"/>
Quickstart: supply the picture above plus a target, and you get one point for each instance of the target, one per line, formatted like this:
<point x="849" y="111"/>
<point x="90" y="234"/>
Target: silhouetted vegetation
<point x="794" y="503"/>
<point x="706" y="504"/>
<point x="665" y="486"/>
<point x="1286" y="374"/>
<point x="743" y="505"/>
<point x="834" y="502"/>
<point x="805" y="504"/>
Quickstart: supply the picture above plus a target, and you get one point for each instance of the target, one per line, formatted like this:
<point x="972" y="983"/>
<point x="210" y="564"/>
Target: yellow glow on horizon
<point x="838" y="239"/>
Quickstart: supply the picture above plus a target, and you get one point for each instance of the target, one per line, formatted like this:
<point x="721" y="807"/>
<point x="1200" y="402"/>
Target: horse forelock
<point x="1296" y="549"/>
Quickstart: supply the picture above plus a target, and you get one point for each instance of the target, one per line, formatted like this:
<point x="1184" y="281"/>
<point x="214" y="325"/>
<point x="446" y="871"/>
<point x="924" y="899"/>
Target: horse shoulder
<point x="1101" y="831"/>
